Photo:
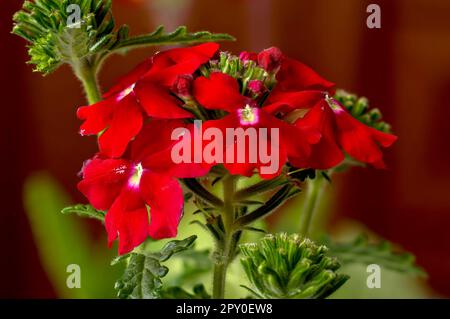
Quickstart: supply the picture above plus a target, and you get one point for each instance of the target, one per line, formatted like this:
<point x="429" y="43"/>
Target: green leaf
<point x="179" y="36"/>
<point x="273" y="203"/>
<point x="260" y="188"/>
<point x="142" y="277"/>
<point x="84" y="211"/>
<point x="194" y="186"/>
<point x="175" y="246"/>
<point x="362" y="251"/>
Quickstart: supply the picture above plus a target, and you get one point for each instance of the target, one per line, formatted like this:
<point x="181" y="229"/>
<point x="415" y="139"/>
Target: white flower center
<point x="126" y="92"/>
<point x="333" y="104"/>
<point x="248" y="115"/>
<point x="135" y="179"/>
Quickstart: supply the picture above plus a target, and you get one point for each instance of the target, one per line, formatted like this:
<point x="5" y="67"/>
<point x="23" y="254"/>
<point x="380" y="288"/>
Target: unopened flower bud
<point x="256" y="87"/>
<point x="183" y="86"/>
<point x="282" y="266"/>
<point x="270" y="59"/>
<point x="248" y="56"/>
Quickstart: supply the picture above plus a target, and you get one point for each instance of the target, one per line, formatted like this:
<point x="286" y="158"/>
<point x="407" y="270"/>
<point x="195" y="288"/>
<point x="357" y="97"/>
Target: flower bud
<point x="256" y="87"/>
<point x="282" y="266"/>
<point x="270" y="59"/>
<point x="248" y="56"/>
<point x="183" y="86"/>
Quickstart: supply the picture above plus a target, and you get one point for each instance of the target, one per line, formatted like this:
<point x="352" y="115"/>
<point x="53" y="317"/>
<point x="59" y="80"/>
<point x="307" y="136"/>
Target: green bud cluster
<point x="289" y="266"/>
<point x="244" y="71"/>
<point x="360" y="109"/>
<point x="54" y="37"/>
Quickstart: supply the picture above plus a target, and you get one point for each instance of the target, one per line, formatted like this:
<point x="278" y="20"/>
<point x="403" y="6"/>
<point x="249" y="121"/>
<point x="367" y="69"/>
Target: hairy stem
<point x="87" y="74"/>
<point x="226" y="247"/>
<point x="313" y="194"/>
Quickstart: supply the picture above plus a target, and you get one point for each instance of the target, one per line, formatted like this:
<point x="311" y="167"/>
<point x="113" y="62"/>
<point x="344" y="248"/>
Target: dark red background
<point x="404" y="68"/>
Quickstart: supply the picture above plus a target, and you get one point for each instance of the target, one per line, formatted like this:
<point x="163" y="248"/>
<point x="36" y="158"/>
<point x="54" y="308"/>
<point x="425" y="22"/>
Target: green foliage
<point x="142" y="277"/>
<point x="62" y="241"/>
<point x="84" y="211"/>
<point x="282" y="266"/>
<point x="55" y="39"/>
<point x="282" y="195"/>
<point x="360" y="109"/>
<point x="361" y="251"/>
<point x="179" y="36"/>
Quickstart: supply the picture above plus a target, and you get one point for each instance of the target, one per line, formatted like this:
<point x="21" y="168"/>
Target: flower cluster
<point x="134" y="176"/>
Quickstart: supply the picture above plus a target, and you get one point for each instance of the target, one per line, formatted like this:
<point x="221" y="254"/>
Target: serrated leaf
<point x="119" y="259"/>
<point x="360" y="250"/>
<point x="179" y="36"/>
<point x="84" y="211"/>
<point x="142" y="277"/>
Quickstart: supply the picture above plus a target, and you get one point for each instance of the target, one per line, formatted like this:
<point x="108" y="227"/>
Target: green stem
<point x="314" y="192"/>
<point x="226" y="247"/>
<point x="87" y="74"/>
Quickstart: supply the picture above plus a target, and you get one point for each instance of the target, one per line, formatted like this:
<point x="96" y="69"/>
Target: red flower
<point x="221" y="92"/>
<point x="145" y="90"/>
<point x="127" y="187"/>
<point x="300" y="88"/>
<point x="342" y="131"/>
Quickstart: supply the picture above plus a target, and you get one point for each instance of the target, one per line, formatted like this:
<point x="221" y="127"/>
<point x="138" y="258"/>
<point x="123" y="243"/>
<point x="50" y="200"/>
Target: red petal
<point x="125" y="124"/>
<point x="103" y="181"/>
<point x="96" y="116"/>
<point x="326" y="153"/>
<point x="158" y="102"/>
<point x="361" y="141"/>
<point x="249" y="163"/>
<point x="131" y="78"/>
<point x="219" y="92"/>
<point x="285" y="102"/>
<point x="295" y="76"/>
<point x="165" y="197"/>
<point x="153" y="147"/>
<point x="171" y="63"/>
<point x="127" y="219"/>
<point x="154" y="137"/>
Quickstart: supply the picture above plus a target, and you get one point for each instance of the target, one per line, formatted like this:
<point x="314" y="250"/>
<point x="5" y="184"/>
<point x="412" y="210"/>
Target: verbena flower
<point x="129" y="188"/>
<point x="341" y="132"/>
<point x="169" y="90"/>
<point x="221" y="92"/>
<point x="145" y="91"/>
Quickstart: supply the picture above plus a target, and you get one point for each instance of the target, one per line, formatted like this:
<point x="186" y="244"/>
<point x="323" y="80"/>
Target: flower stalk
<point x="314" y="191"/>
<point x="88" y="77"/>
<point x="226" y="247"/>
